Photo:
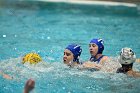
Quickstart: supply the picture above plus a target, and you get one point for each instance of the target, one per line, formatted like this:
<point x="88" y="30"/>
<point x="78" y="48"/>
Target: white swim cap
<point x="127" y="56"/>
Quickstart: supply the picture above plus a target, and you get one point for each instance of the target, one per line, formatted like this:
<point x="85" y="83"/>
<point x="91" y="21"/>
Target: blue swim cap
<point x="76" y="50"/>
<point x="99" y="43"/>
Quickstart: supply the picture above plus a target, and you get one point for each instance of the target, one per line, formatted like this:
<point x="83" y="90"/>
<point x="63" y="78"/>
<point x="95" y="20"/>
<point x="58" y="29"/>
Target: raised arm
<point x="29" y="86"/>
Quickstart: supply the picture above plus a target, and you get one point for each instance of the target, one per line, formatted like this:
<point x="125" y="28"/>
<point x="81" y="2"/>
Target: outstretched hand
<point x="30" y="84"/>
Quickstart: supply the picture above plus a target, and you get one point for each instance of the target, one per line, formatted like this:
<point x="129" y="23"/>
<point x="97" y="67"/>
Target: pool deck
<point x="89" y="2"/>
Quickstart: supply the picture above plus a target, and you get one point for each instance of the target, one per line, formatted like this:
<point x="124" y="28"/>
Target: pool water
<point x="47" y="28"/>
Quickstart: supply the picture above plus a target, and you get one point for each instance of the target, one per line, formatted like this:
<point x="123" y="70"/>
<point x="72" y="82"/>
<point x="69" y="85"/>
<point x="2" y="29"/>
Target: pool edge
<point x="109" y="3"/>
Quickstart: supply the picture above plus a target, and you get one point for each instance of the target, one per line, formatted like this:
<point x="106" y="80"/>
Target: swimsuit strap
<point x="92" y="59"/>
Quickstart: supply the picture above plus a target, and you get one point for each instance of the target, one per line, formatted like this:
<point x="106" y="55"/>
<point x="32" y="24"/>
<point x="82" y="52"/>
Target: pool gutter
<point x="108" y="3"/>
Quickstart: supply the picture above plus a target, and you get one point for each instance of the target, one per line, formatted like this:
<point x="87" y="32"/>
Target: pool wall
<point x="98" y="7"/>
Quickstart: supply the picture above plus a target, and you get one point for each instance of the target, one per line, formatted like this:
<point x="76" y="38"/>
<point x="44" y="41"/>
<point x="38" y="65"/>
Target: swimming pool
<point x="47" y="28"/>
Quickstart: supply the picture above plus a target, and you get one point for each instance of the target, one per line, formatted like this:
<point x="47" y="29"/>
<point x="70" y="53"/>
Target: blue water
<point x="47" y="28"/>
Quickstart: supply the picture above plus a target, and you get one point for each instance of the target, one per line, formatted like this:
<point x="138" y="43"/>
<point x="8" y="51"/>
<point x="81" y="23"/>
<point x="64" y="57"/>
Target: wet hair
<point x="125" y="68"/>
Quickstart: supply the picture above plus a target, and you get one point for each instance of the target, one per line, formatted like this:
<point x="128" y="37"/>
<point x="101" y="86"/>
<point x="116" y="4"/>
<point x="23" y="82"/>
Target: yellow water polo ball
<point x="32" y="58"/>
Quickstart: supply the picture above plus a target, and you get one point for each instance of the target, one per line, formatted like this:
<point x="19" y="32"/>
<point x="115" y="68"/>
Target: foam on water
<point x="47" y="34"/>
<point x="15" y="68"/>
<point x="58" y="74"/>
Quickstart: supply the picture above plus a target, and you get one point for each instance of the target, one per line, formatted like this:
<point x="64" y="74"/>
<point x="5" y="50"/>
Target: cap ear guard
<point x="132" y="52"/>
<point x="120" y="52"/>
